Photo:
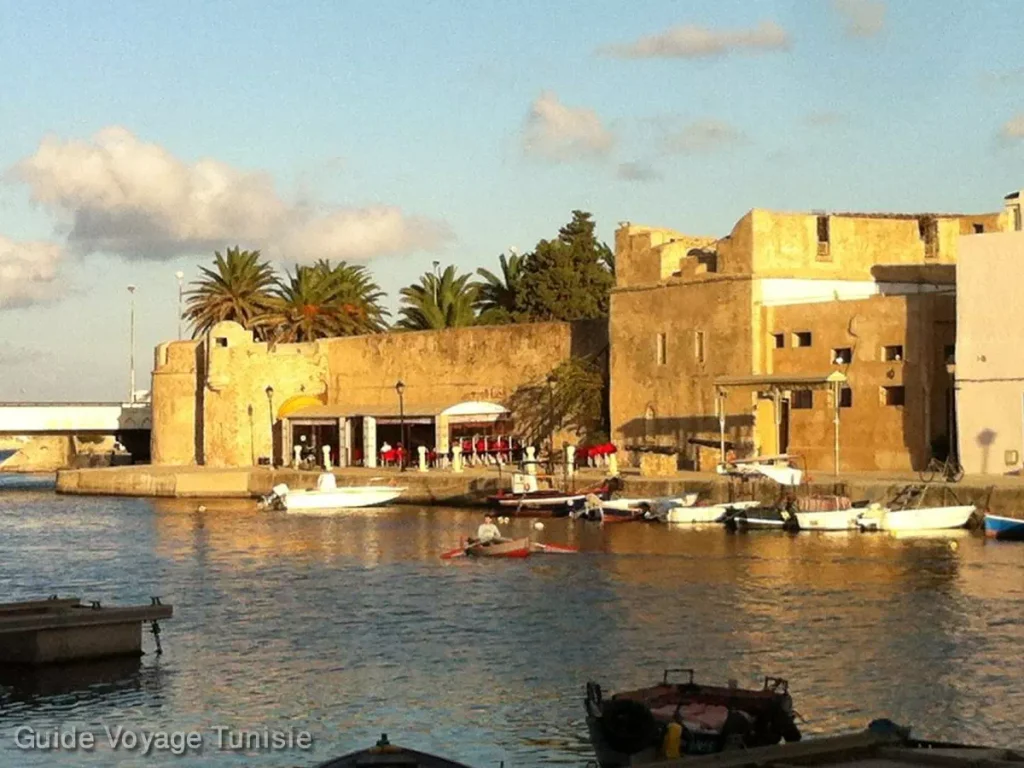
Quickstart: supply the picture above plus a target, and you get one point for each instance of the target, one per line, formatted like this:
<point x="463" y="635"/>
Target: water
<point x="347" y="627"/>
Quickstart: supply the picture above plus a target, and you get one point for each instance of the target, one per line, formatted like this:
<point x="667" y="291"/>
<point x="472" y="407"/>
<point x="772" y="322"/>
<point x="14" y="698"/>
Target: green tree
<point x="238" y="288"/>
<point x="359" y="296"/>
<point x="568" y="278"/>
<point x="572" y="396"/>
<point x="499" y="294"/>
<point x="445" y="301"/>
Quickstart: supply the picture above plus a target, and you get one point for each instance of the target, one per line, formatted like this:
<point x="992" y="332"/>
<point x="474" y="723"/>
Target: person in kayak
<point x="488" y="532"/>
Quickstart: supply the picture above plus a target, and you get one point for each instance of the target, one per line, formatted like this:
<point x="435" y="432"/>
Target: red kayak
<point x="517" y="548"/>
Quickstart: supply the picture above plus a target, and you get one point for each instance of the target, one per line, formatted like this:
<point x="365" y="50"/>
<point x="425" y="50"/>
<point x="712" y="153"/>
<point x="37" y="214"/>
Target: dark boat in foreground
<point x="387" y="755"/>
<point x="634" y="727"/>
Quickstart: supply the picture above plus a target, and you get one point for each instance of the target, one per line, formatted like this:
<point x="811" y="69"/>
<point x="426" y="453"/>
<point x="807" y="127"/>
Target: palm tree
<point x="498" y="295"/>
<point x="321" y="301"/>
<point x="358" y="294"/>
<point x="238" y="289"/>
<point x="445" y="301"/>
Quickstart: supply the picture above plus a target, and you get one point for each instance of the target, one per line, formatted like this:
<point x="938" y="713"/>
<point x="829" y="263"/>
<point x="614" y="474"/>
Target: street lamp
<point x="270" y="405"/>
<point x="131" y="353"/>
<point x="400" y="389"/>
<point x="181" y="292"/>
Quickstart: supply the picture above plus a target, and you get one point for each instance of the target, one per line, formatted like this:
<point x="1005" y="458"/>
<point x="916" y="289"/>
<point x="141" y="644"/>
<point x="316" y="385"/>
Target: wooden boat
<point x="883" y="743"/>
<point x="630" y="727"/>
<point x="328" y="495"/>
<point x="509" y="548"/>
<point x="1004" y="528"/>
<point x="387" y="755"/>
<point x="526" y="497"/>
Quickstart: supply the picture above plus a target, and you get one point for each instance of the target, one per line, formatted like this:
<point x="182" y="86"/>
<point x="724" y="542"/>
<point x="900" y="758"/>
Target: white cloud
<point x="862" y="18"/>
<point x="689" y="41"/>
<point x="1013" y="129"/>
<point x="558" y="133"/>
<point x="117" y="194"/>
<point x="638" y="171"/>
<point x="702" y="136"/>
<point x="28" y="272"/>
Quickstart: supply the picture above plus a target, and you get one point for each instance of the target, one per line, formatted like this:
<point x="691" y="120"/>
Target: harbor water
<point x="347" y="626"/>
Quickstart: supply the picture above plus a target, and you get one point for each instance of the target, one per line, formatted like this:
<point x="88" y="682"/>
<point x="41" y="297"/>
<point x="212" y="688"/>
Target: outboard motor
<point x="273" y="499"/>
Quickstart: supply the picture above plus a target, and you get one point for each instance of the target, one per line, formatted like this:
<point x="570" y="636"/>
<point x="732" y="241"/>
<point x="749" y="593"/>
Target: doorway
<point x="784" y="425"/>
<point x="311" y="436"/>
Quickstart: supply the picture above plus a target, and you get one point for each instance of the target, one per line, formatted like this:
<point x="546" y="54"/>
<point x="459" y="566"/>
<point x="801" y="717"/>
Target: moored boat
<point x="328" y="495"/>
<point x="525" y="497"/>
<point x="633" y="727"/>
<point x="773" y="518"/>
<point x="387" y="755"/>
<point x="878" y="518"/>
<point x="507" y="548"/>
<point x="705" y="513"/>
<point x="1004" y="528"/>
<point x="827" y="513"/>
<point x="648" y="504"/>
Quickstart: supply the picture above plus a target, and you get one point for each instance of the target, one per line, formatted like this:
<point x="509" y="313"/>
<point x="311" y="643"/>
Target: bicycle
<point x="949" y="469"/>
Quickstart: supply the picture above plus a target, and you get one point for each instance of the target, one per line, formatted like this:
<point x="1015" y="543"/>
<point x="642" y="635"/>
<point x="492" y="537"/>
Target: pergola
<point x="775" y="385"/>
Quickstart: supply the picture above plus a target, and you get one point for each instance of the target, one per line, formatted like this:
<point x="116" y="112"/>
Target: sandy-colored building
<point x="227" y="400"/>
<point x="989" y="353"/>
<point x="767" y="317"/>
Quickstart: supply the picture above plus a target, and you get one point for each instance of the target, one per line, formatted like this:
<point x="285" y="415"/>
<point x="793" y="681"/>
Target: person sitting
<point x="487" y="532"/>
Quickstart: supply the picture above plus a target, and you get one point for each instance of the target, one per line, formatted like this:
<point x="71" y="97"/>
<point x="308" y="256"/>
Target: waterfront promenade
<point x="999" y="494"/>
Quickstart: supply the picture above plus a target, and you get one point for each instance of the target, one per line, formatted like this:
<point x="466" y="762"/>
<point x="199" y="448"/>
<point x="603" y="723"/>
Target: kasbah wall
<point x="709" y="300"/>
<point x="210" y="400"/>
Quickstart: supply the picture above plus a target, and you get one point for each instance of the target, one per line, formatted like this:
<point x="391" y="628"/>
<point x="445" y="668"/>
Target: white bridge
<point x="68" y="418"/>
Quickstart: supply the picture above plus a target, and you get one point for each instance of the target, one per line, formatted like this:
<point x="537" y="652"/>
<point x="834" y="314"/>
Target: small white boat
<point x="830" y="520"/>
<point x="879" y="518"/>
<point x="629" y="505"/>
<point x="710" y="513"/>
<point x="327" y="495"/>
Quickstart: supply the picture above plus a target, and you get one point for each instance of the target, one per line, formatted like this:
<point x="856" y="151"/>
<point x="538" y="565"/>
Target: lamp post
<point x="400" y="389"/>
<point x="551" y="420"/>
<point x="181" y="292"/>
<point x="131" y="352"/>
<point x="270" y="405"/>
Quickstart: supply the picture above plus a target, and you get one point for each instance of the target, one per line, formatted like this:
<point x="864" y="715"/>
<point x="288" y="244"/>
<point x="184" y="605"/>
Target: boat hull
<point x="713" y="513"/>
<point x="514" y="548"/>
<point x="924" y="519"/>
<point x="1004" y="528"/>
<point x="629" y="505"/>
<point x="387" y="755"/>
<point x="353" y="497"/>
<point x="835" y="520"/>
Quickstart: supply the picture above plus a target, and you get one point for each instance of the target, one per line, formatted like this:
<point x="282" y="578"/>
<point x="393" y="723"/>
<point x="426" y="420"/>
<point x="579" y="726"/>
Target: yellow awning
<point x="298" y="402"/>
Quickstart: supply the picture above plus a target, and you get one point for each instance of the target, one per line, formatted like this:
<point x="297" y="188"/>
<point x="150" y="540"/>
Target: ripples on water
<point x="352" y="626"/>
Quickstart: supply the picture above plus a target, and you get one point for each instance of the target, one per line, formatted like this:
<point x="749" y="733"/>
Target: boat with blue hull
<point x="1004" y="528"/>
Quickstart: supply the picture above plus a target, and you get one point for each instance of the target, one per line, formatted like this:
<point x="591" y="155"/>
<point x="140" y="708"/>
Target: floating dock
<point x="56" y="630"/>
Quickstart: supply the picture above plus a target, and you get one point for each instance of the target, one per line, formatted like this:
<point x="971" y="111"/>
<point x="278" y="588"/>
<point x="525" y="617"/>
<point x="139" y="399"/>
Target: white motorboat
<point x="327" y="495"/>
<point x="829" y="520"/>
<point x="640" y="505"/>
<point x="708" y="513"/>
<point x="879" y="518"/>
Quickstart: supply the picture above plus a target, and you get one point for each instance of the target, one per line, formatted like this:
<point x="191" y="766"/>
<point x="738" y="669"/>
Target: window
<point x="892" y="353"/>
<point x="979" y="229"/>
<point x="222" y="341"/>
<point x="845" y="397"/>
<point x="802" y="339"/>
<point x="661" y="349"/>
<point x="928" y="231"/>
<point x="698" y="346"/>
<point x="893" y="396"/>
<point x="842" y="355"/>
<point x="802" y="398"/>
<point x="949" y="353"/>
<point x="824" y="252"/>
<point x="779" y="339"/>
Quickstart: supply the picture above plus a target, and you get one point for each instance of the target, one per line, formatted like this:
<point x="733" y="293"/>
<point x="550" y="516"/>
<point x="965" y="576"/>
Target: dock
<point x="56" y="630"/>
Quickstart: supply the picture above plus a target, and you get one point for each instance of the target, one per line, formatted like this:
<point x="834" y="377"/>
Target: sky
<point x="138" y="138"/>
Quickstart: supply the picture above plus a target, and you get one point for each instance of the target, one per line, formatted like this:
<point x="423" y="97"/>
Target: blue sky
<point x="135" y="138"/>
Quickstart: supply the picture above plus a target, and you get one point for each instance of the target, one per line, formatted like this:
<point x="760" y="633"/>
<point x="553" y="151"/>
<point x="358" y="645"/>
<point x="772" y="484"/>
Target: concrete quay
<point x="999" y="494"/>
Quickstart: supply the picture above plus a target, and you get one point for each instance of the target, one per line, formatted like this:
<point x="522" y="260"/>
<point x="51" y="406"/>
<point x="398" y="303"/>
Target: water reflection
<point x="352" y="625"/>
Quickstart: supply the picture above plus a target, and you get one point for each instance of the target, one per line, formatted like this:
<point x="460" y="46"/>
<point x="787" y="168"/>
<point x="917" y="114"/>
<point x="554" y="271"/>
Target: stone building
<point x="227" y="400"/>
<point x="756" y="326"/>
<point x="989" y="361"/>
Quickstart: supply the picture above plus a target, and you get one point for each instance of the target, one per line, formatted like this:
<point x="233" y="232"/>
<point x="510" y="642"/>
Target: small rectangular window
<point x="802" y="339"/>
<point x="803" y="398"/>
<point x="949" y="353"/>
<point x="222" y="341"/>
<point x="823" y="229"/>
<point x="842" y="355"/>
<point x="698" y="346"/>
<point x="979" y="229"/>
<point x="893" y="396"/>
<point x="779" y="339"/>
<point x="892" y="353"/>
<point x="661" y="349"/>
<point x="845" y="397"/>
<point x="824" y="247"/>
